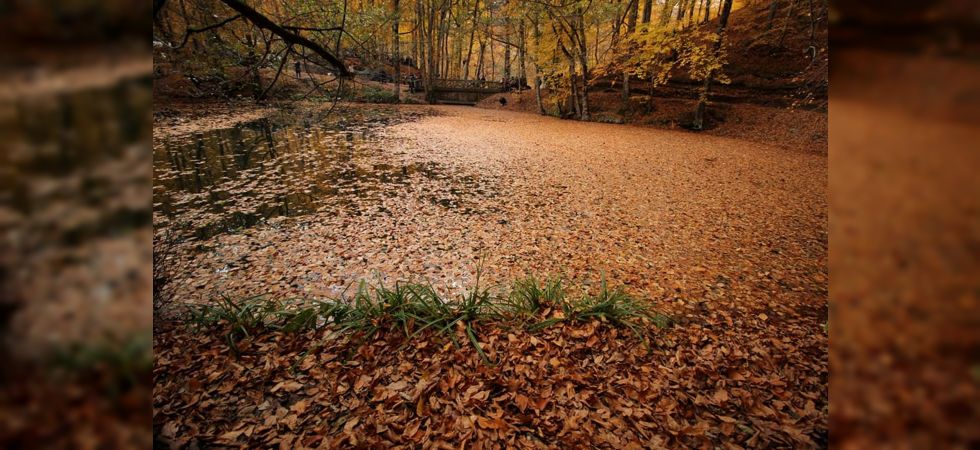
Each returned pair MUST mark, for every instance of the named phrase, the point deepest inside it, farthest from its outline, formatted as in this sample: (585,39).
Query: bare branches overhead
(262,21)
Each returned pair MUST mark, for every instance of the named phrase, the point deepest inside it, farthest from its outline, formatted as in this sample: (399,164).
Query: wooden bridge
(464,92)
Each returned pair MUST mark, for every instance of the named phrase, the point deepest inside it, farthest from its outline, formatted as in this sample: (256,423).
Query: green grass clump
(242,317)
(306,316)
(528,297)
(615,306)
(413,308)
(371,94)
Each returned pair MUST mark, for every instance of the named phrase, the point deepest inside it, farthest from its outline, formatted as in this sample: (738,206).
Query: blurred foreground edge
(75,224)
(905,234)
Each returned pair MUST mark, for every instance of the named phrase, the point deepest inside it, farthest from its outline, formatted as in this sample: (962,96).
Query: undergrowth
(412,308)
(371,94)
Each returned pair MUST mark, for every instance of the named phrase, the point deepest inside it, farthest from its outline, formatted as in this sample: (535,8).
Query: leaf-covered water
(290,164)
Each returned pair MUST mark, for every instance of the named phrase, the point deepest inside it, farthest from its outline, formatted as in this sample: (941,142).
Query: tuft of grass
(528,297)
(241,318)
(612,306)
(313,315)
(412,308)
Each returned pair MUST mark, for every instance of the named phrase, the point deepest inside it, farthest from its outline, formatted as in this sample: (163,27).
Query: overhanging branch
(290,37)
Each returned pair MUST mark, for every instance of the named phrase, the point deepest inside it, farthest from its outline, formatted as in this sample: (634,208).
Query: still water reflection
(289,164)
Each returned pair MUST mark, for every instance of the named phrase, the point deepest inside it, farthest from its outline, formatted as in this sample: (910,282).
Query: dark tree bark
(469,49)
(537,75)
(665,12)
(584,61)
(773,7)
(703,98)
(522,52)
(398,54)
(633,8)
(647,10)
(479,63)
(157,6)
(507,53)
(343,23)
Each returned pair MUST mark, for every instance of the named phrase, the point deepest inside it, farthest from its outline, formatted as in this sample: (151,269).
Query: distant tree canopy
(566,45)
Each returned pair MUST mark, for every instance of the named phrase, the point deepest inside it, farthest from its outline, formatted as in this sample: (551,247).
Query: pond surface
(291,164)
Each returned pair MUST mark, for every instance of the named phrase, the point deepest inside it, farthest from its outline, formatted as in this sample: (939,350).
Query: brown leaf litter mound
(568,386)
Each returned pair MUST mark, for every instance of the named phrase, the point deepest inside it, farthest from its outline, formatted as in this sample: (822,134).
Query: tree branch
(312,28)
(278,73)
(290,37)
(190,31)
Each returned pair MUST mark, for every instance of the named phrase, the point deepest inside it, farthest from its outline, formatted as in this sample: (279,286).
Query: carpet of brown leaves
(728,237)
(905,260)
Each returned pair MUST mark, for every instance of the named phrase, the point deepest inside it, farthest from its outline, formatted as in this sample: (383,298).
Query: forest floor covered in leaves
(727,237)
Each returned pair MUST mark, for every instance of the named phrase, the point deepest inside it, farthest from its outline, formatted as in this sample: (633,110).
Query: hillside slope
(778,62)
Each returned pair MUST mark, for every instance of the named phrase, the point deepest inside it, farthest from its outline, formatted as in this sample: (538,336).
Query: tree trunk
(573,98)
(343,23)
(489,32)
(703,98)
(574,87)
(469,49)
(584,60)
(773,7)
(665,12)
(493,60)
(479,65)
(416,38)
(507,61)
(252,62)
(647,10)
(398,54)
(430,52)
(707,11)
(443,43)
(537,75)
(634,7)
(522,51)
(620,19)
